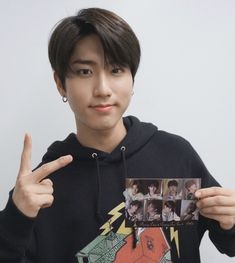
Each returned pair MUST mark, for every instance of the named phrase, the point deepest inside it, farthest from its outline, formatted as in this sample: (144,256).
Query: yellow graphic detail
(124,230)
(116,214)
(175,236)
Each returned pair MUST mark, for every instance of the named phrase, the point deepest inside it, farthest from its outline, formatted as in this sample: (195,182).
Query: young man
(191,188)
(153,187)
(172,191)
(168,212)
(190,212)
(71,208)
(132,211)
(133,193)
(153,212)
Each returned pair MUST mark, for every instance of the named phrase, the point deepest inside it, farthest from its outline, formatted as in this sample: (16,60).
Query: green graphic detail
(102,249)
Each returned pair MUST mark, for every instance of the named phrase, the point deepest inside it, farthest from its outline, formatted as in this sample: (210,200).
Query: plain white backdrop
(185,83)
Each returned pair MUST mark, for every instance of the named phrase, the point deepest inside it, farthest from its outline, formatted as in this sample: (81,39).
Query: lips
(102,107)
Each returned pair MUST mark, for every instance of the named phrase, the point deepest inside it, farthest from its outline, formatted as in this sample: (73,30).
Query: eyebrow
(84,61)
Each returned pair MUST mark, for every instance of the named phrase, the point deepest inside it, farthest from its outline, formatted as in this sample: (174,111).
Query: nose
(102,86)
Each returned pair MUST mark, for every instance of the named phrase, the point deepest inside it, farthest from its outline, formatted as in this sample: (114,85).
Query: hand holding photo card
(161,202)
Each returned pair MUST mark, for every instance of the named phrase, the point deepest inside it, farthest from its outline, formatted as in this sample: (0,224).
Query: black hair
(170,204)
(154,203)
(120,44)
(189,183)
(136,203)
(153,182)
(172,183)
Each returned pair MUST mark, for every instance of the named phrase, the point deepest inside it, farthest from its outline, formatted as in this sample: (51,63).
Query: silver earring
(64,99)
(132,93)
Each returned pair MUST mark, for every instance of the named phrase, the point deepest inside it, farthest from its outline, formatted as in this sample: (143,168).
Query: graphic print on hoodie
(143,244)
(98,182)
(86,221)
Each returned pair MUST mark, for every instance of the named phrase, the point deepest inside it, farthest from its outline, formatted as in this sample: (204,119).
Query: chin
(102,124)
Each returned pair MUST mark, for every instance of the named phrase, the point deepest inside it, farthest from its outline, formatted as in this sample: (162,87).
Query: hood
(138,134)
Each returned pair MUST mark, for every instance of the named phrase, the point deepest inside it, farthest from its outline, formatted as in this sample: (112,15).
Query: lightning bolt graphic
(174,236)
(116,214)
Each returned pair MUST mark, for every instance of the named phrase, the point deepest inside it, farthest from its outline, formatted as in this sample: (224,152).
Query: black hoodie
(86,222)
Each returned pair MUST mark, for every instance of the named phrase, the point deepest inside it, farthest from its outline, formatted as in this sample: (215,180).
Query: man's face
(150,208)
(97,93)
(133,209)
(135,189)
(172,189)
(167,209)
(192,189)
(152,189)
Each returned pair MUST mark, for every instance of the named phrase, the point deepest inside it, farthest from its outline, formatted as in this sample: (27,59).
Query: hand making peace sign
(32,191)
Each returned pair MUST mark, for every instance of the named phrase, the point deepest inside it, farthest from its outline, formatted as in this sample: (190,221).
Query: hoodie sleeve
(224,240)
(16,235)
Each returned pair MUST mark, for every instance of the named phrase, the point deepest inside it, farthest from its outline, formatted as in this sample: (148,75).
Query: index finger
(25,163)
(212,191)
(48,168)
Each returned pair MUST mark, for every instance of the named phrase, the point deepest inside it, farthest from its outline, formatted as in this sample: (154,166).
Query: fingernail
(68,158)
(198,194)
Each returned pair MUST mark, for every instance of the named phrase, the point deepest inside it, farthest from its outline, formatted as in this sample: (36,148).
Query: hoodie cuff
(222,239)
(14,225)
(220,230)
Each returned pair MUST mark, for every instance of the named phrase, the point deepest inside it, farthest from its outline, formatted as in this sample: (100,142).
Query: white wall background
(185,83)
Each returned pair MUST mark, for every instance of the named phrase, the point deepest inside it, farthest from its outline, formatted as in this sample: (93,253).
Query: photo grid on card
(160,202)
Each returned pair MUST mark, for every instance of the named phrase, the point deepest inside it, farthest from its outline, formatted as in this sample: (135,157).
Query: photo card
(157,202)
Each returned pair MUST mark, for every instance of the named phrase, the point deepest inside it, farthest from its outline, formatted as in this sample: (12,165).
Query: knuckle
(45,168)
(50,199)
(229,220)
(215,209)
(47,182)
(61,161)
(215,190)
(218,200)
(201,203)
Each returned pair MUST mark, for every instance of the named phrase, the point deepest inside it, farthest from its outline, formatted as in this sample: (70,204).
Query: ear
(59,85)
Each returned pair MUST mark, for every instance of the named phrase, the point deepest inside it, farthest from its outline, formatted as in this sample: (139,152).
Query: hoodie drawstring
(98,210)
(134,227)
(123,149)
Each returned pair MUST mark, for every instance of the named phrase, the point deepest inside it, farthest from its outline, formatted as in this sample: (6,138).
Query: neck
(103,140)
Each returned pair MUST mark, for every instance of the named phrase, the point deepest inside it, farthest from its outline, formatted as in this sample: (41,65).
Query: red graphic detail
(151,248)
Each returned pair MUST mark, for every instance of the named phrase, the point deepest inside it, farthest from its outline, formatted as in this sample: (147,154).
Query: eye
(117,70)
(84,72)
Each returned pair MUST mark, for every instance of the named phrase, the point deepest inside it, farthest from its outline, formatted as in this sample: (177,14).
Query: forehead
(88,48)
